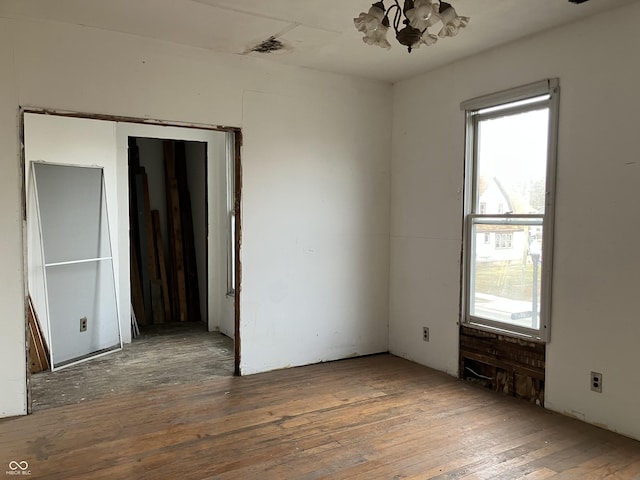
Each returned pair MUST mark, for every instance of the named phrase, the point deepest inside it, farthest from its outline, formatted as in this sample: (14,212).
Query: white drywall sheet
(78,268)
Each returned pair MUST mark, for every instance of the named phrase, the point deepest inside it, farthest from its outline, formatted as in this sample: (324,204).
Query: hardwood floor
(166,354)
(376,417)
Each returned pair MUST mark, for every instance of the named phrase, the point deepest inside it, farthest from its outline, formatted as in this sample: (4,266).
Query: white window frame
(231,213)
(521,99)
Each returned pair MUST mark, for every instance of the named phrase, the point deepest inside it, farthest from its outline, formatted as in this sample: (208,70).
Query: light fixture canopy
(417,16)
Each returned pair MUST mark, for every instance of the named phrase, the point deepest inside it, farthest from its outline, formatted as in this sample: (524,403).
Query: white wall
(13,368)
(596,277)
(316,172)
(315,228)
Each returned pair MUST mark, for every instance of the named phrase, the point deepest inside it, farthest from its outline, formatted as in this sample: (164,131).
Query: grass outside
(511,279)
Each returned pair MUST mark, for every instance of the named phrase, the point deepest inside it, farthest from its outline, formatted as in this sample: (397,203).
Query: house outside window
(510,189)
(504,240)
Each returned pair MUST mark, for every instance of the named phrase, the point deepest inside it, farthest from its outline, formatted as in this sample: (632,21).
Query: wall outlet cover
(425,334)
(596,382)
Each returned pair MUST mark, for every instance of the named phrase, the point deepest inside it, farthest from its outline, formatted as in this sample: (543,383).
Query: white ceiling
(317,34)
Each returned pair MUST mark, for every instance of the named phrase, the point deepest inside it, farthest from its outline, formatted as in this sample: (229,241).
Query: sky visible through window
(513,150)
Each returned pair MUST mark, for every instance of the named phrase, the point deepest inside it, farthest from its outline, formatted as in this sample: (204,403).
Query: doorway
(51,136)
(168,230)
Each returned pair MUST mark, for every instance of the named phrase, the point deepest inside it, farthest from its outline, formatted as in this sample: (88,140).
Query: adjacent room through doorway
(171,201)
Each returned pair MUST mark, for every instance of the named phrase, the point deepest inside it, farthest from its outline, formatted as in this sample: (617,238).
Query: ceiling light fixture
(419,16)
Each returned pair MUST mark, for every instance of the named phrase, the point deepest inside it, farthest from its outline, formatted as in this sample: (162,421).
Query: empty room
(300,240)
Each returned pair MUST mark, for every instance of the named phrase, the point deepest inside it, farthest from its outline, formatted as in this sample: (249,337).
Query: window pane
(231,243)
(505,273)
(232,260)
(512,161)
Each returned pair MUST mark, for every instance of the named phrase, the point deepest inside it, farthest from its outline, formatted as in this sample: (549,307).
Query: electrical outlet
(596,382)
(83,324)
(425,334)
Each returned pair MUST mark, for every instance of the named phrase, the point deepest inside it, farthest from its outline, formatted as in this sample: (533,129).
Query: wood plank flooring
(167,354)
(378,417)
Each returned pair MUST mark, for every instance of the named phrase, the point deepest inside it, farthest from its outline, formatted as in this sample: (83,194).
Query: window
(231,214)
(510,161)
(504,240)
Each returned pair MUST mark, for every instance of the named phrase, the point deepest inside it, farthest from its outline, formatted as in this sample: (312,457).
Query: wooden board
(191,264)
(148,225)
(38,351)
(172,278)
(157,301)
(137,298)
(189,247)
(155,216)
(145,278)
(173,211)
(181,287)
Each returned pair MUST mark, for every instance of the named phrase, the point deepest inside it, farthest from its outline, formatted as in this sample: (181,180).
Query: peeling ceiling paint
(271,44)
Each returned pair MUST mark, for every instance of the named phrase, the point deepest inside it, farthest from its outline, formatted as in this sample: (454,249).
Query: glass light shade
(420,15)
(372,24)
(452,23)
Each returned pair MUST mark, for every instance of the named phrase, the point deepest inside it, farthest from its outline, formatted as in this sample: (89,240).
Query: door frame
(237,234)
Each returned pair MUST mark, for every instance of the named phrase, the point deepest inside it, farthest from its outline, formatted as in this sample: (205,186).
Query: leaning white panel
(78,275)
